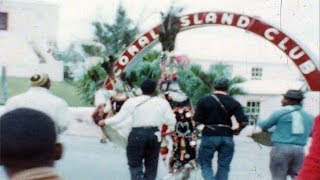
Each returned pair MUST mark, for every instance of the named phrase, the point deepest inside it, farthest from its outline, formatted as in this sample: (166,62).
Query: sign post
(4,85)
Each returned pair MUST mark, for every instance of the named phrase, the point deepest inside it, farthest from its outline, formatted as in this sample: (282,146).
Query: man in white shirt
(148,113)
(39,97)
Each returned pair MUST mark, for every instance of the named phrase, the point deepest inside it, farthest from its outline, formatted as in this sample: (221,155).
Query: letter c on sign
(268,32)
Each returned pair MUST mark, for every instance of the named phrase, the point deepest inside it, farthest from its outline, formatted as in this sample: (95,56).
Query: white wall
(270,103)
(36,21)
(32,30)
(243,68)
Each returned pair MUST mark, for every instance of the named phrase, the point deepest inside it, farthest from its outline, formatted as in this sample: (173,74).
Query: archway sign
(300,58)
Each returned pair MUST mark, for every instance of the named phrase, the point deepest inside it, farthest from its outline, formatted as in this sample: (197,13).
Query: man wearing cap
(292,129)
(215,112)
(39,97)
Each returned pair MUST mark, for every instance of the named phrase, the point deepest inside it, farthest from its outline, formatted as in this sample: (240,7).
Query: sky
(299,19)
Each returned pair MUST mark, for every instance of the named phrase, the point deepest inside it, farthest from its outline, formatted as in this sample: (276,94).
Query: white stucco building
(28,33)
(265,83)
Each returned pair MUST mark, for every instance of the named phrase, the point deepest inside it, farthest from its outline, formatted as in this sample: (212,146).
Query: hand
(101,123)
(236,131)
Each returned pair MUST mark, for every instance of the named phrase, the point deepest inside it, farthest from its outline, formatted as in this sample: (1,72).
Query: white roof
(269,86)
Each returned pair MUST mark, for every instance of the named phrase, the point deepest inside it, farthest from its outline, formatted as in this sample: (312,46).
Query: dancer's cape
(114,136)
(117,133)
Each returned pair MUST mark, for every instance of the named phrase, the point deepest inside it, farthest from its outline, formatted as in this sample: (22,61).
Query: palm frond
(169,29)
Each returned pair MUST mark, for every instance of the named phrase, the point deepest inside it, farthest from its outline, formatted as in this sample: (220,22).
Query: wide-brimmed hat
(39,79)
(294,94)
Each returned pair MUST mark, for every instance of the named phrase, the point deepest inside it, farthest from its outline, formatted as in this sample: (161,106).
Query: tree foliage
(148,68)
(110,39)
(70,57)
(197,83)
(87,87)
(117,36)
(193,80)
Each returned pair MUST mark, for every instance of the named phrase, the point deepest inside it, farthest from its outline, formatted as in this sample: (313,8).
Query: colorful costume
(184,136)
(183,140)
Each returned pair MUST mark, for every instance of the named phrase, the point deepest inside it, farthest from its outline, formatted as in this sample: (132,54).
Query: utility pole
(4,85)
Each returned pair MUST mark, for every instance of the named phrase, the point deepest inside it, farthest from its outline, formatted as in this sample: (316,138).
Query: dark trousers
(142,146)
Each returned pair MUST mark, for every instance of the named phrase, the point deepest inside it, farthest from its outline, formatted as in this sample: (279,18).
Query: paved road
(87,159)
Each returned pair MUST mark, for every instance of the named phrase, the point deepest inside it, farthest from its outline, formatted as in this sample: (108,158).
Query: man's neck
(12,170)
(220,92)
(148,94)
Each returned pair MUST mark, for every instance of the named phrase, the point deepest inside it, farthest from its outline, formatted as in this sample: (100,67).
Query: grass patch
(65,90)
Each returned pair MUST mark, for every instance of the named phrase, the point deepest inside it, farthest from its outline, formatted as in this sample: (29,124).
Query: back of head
(148,87)
(40,80)
(221,84)
(27,137)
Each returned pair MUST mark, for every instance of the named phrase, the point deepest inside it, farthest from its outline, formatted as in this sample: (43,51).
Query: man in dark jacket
(215,112)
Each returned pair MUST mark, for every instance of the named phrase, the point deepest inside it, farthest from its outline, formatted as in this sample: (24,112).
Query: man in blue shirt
(292,128)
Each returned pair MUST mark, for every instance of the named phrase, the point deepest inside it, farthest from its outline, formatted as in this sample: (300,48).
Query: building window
(256,73)
(252,111)
(3,21)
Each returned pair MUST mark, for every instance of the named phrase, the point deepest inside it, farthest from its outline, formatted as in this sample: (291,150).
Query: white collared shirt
(41,99)
(154,111)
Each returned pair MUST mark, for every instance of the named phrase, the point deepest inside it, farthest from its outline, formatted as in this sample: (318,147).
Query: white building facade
(265,83)
(28,33)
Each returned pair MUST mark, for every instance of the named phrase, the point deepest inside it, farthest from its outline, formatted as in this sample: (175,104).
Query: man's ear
(58,151)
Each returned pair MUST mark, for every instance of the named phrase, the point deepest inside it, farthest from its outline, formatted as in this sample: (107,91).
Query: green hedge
(65,90)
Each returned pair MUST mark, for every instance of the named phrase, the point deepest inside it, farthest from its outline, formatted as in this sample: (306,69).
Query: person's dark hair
(221,84)
(26,136)
(148,87)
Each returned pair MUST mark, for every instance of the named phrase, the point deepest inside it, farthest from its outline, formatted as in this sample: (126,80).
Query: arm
(168,116)
(200,114)
(241,118)
(271,121)
(125,111)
